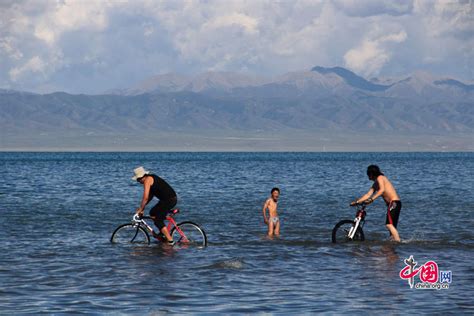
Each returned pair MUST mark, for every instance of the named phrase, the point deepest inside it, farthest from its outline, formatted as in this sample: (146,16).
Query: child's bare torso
(272,207)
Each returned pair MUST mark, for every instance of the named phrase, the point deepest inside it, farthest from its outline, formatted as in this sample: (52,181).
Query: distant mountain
(323,100)
(455,83)
(320,81)
(209,81)
(352,79)
(161,83)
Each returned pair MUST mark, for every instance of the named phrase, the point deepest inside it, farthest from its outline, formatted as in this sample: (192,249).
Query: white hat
(139,172)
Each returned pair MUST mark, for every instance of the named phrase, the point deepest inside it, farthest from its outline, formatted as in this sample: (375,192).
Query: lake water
(58,211)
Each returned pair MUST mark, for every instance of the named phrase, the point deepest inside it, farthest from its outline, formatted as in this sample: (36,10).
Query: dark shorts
(161,209)
(393,212)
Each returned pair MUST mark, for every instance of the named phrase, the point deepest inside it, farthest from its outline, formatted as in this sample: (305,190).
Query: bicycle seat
(173,212)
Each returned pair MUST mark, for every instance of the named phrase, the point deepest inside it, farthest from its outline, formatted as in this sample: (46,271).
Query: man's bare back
(383,185)
(384,188)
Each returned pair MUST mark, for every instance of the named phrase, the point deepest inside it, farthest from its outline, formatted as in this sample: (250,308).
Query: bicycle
(138,232)
(351,230)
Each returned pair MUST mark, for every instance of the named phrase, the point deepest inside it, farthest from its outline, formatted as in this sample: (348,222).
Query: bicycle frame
(358,221)
(171,223)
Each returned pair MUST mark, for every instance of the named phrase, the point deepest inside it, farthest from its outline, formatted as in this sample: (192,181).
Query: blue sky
(91,46)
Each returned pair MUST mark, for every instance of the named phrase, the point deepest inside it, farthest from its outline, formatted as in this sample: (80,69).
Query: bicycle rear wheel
(130,234)
(340,232)
(189,234)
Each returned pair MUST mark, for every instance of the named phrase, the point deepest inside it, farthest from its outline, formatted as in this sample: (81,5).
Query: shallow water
(59,210)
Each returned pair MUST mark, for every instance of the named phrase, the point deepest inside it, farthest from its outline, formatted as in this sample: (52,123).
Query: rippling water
(59,209)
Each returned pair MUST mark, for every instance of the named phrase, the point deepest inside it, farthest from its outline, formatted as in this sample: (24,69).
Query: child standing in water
(272,220)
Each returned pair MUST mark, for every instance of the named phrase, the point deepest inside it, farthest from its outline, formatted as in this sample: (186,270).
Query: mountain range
(306,105)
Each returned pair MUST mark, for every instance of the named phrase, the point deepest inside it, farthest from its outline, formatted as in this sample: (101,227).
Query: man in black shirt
(156,186)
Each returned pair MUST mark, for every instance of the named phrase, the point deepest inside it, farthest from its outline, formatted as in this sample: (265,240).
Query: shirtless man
(272,221)
(383,187)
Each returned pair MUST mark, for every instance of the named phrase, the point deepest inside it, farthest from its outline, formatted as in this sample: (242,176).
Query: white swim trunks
(274,219)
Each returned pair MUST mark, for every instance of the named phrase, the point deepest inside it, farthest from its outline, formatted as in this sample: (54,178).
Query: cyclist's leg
(393,232)
(391,221)
(159,212)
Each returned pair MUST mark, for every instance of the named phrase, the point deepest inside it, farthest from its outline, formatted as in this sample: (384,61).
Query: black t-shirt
(161,189)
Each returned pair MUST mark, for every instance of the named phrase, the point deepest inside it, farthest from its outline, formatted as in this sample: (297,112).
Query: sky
(92,46)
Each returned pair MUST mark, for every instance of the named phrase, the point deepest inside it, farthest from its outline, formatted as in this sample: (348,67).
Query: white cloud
(34,65)
(7,47)
(367,58)
(446,36)
(92,45)
(37,65)
(45,33)
(372,54)
(365,8)
(148,30)
(247,23)
(239,35)
(72,15)
(446,18)
(396,37)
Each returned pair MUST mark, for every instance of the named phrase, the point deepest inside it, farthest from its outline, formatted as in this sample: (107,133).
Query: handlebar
(170,213)
(364,203)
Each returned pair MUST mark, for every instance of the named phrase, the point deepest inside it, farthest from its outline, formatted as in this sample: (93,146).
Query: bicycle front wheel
(130,234)
(189,234)
(340,232)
